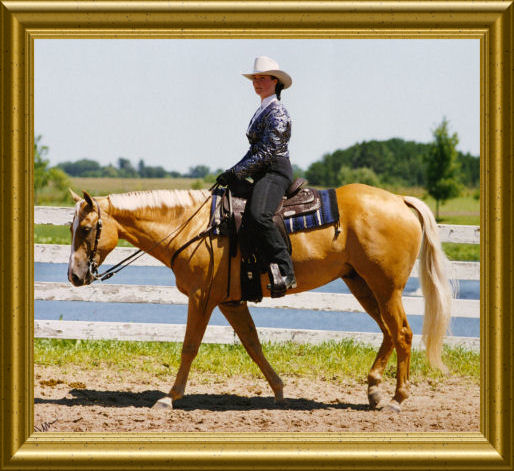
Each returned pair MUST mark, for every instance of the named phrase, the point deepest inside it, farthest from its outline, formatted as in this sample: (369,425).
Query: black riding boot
(264,201)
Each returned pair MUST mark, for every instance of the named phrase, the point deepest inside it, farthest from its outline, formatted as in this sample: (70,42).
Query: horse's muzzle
(77,280)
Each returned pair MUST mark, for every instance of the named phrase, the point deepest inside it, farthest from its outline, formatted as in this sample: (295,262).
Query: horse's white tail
(434,283)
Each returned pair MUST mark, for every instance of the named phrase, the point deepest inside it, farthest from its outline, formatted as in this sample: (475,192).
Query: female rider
(267,164)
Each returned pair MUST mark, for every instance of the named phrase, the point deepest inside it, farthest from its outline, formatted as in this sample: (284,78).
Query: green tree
(316,174)
(125,168)
(396,162)
(41,174)
(110,171)
(45,176)
(145,171)
(81,168)
(198,171)
(469,170)
(442,166)
(364,175)
(141,168)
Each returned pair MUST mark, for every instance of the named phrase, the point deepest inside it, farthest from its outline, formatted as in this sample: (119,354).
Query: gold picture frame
(22,21)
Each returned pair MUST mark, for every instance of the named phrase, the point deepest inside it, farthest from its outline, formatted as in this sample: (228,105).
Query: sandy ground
(103,401)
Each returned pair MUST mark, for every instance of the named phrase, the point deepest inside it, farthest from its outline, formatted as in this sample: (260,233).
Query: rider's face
(264,85)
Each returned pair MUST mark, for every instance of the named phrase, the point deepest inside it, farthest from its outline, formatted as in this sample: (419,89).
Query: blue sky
(180,102)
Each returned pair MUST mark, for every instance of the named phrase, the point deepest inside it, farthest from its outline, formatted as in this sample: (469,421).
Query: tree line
(394,162)
(125,169)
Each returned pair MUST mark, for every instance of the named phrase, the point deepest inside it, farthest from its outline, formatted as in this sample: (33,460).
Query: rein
(93,267)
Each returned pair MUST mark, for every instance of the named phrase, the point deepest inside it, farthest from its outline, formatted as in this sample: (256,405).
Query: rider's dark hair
(278,87)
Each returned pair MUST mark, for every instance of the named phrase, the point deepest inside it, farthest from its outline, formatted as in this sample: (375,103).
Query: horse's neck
(158,231)
(146,232)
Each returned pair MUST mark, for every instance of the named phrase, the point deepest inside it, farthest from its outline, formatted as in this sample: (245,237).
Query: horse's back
(375,209)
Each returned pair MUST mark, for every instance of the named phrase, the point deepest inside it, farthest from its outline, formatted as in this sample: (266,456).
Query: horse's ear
(74,195)
(88,198)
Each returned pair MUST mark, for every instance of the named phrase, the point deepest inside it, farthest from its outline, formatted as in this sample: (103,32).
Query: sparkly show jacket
(268,136)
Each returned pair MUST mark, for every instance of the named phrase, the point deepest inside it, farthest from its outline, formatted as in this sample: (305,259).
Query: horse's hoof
(164,403)
(393,406)
(279,399)
(374,397)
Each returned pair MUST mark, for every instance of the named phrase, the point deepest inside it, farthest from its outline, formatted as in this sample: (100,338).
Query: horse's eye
(85,229)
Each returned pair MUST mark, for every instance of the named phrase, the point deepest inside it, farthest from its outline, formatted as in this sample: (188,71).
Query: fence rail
(84,330)
(314,301)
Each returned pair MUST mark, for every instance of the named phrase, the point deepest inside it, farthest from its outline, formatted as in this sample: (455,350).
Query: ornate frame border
(22,21)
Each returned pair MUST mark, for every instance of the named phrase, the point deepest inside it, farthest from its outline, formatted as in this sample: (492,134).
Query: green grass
(462,210)
(336,361)
(462,252)
(48,234)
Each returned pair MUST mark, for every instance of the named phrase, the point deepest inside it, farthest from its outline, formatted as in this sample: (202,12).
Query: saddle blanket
(326,213)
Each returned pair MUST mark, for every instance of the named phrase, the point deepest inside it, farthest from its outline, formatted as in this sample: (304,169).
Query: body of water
(263,317)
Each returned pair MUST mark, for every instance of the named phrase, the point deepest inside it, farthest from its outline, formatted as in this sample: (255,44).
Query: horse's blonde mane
(141,202)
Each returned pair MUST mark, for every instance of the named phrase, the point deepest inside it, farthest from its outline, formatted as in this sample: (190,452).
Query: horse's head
(93,235)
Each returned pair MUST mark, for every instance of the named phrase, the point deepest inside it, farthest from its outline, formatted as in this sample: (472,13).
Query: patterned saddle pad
(307,209)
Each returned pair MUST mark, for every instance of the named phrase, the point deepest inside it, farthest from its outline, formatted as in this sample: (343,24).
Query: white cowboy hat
(265,66)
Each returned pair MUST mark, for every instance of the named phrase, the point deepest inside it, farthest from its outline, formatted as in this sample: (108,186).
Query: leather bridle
(92,266)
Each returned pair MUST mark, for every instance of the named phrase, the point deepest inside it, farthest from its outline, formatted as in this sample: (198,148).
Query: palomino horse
(373,252)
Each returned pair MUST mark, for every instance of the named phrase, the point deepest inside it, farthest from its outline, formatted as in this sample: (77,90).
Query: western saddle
(297,201)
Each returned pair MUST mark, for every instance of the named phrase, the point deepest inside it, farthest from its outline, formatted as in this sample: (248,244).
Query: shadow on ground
(210,402)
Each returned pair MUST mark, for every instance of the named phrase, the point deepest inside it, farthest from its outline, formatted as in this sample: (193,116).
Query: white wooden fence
(312,301)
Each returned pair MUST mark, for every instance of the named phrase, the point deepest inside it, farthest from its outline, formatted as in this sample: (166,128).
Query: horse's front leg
(242,323)
(197,319)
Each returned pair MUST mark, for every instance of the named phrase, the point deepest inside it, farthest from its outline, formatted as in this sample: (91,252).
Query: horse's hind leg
(365,296)
(242,323)
(401,333)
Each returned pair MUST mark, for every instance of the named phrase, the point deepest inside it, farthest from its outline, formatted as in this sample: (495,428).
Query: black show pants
(264,201)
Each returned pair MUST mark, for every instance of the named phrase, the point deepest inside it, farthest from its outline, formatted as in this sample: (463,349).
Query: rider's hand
(225,178)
